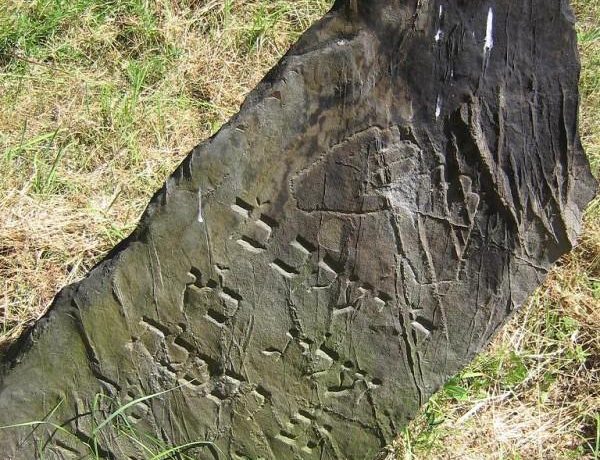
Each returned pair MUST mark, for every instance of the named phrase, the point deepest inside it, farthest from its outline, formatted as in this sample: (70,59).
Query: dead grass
(101,100)
(101,103)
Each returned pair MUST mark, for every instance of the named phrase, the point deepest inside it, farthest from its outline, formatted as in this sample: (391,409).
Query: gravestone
(385,199)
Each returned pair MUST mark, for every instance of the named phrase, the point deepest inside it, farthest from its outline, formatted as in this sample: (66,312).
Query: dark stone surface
(385,199)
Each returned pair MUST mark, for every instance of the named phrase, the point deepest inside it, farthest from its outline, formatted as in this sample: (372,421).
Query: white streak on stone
(200,218)
(438,107)
(440,34)
(489,33)
(167,190)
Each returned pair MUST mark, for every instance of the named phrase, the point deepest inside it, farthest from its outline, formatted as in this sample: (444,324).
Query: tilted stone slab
(384,200)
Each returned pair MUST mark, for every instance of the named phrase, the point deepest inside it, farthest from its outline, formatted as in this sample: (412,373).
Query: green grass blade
(181,448)
(130,404)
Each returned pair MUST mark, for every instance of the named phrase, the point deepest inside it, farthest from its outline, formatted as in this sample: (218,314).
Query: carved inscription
(321,264)
(259,226)
(303,265)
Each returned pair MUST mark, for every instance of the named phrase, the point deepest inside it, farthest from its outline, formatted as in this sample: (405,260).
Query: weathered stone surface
(390,193)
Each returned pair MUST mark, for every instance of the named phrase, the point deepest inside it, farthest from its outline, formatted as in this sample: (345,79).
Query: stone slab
(385,199)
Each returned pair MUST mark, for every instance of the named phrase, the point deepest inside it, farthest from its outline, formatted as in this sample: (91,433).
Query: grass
(106,414)
(102,99)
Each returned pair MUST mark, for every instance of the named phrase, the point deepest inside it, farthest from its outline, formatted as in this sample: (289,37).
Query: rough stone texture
(390,193)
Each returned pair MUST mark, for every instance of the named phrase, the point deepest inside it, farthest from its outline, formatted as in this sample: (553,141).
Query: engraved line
(284,269)
(155,327)
(251,245)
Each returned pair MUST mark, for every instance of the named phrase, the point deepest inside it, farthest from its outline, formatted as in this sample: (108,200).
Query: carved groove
(156,327)
(269,222)
(251,245)
(242,208)
(286,438)
(216,317)
(185,345)
(284,269)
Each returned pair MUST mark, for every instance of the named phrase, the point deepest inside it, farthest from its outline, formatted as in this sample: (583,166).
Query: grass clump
(108,419)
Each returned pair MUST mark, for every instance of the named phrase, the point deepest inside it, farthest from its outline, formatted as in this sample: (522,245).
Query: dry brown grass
(101,102)
(100,111)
